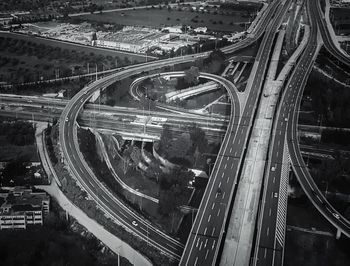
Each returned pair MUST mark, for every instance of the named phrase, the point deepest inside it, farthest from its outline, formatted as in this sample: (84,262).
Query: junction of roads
(242,216)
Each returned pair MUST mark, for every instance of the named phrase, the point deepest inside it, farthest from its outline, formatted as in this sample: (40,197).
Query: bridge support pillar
(95,96)
(338,235)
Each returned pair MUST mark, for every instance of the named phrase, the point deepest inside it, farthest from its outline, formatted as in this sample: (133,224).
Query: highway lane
(271,229)
(81,170)
(113,118)
(204,241)
(299,167)
(326,36)
(45,102)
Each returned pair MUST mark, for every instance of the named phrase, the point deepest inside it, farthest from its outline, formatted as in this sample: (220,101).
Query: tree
(192,75)
(173,187)
(198,138)
(180,146)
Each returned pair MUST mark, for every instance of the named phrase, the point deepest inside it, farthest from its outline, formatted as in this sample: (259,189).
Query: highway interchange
(81,171)
(204,243)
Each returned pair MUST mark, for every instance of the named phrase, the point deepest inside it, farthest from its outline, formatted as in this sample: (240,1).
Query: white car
(336,215)
(67,119)
(273,168)
(134,223)
(275,194)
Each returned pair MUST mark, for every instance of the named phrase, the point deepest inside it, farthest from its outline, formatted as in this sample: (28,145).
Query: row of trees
(53,61)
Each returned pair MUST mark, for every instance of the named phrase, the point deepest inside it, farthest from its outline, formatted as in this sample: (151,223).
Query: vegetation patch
(79,198)
(25,58)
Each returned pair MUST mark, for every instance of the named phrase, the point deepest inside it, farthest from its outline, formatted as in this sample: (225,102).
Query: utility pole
(96,70)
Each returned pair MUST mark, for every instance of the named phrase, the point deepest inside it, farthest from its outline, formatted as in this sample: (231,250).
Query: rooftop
(20,199)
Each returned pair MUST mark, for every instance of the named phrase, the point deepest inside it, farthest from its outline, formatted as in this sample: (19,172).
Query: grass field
(75,47)
(222,21)
(26,58)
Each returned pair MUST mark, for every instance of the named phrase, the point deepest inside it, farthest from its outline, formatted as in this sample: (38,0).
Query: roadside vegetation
(58,242)
(310,239)
(328,100)
(79,198)
(326,103)
(17,152)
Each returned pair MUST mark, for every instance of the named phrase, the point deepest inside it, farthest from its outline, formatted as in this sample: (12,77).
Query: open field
(26,58)
(75,47)
(222,21)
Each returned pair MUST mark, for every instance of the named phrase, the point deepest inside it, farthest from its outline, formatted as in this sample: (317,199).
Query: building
(173,29)
(5,19)
(135,40)
(22,207)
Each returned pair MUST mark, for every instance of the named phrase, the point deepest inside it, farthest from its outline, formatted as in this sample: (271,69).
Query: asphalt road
(203,244)
(78,167)
(270,239)
(299,167)
(82,172)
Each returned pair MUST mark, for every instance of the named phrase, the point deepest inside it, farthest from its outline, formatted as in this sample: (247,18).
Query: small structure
(173,29)
(61,93)
(22,207)
(201,30)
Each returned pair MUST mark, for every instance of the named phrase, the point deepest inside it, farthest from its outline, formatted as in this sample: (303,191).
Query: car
(134,223)
(273,168)
(219,191)
(336,215)
(67,120)
(275,195)
(286,119)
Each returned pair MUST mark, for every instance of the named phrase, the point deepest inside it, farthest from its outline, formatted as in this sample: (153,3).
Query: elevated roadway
(84,175)
(80,170)
(299,167)
(204,242)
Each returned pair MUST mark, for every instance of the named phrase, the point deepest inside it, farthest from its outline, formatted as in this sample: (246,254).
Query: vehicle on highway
(67,120)
(134,223)
(336,215)
(273,168)
(219,191)
(286,119)
(275,194)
